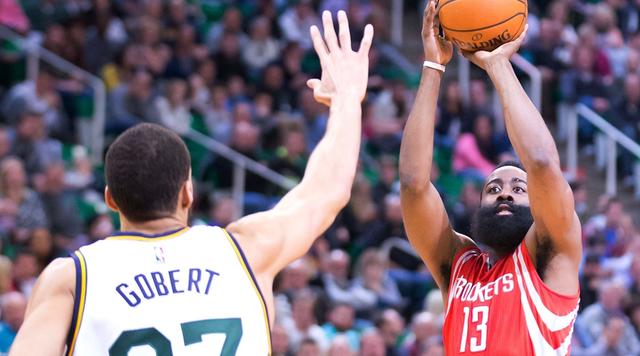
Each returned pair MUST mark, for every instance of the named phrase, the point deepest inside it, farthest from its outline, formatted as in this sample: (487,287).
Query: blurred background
(229,77)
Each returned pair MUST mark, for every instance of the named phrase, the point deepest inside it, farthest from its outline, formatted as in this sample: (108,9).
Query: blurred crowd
(236,71)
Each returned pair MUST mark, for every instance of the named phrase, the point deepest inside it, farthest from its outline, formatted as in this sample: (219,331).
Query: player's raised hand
(436,48)
(345,72)
(484,59)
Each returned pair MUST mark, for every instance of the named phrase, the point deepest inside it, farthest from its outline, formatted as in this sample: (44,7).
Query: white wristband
(437,66)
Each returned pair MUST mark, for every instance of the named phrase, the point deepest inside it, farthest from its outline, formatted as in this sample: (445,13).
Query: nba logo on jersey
(159,254)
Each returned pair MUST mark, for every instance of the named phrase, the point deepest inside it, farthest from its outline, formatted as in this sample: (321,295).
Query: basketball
(475,25)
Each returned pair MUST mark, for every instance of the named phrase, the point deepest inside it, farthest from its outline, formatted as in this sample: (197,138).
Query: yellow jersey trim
(149,238)
(263,303)
(81,298)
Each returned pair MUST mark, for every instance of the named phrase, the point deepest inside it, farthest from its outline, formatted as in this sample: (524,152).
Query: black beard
(502,233)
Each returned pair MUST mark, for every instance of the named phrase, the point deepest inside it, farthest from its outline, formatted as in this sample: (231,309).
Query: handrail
(610,130)
(397,19)
(614,137)
(535,91)
(35,52)
(398,59)
(241,164)
(223,150)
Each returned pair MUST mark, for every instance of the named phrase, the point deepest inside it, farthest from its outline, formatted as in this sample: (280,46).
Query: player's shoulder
(465,246)
(59,275)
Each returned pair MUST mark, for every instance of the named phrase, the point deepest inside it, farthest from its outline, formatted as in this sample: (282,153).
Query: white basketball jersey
(187,292)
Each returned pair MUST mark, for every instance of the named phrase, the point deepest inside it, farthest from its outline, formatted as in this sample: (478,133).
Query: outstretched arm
(275,238)
(550,196)
(423,211)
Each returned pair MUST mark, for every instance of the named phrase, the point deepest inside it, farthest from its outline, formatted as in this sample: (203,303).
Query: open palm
(344,71)
(484,58)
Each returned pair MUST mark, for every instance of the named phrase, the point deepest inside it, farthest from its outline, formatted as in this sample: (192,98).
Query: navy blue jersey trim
(140,234)
(253,277)
(76,301)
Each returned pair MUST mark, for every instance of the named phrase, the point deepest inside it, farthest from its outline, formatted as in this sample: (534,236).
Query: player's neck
(494,255)
(153,227)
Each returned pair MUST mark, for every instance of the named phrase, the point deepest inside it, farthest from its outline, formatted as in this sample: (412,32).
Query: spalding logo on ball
(475,25)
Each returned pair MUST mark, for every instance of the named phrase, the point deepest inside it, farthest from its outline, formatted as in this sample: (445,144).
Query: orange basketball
(476,25)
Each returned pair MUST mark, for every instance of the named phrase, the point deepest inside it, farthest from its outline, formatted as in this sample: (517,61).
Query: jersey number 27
(191,332)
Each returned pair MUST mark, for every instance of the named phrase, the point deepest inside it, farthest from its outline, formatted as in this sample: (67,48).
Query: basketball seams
(523,14)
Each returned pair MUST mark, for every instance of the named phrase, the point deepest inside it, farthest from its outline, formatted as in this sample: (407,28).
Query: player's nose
(505,197)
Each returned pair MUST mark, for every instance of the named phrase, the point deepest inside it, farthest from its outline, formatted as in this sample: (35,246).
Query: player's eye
(493,190)
(519,190)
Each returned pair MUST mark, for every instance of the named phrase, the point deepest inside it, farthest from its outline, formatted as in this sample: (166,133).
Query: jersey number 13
(479,318)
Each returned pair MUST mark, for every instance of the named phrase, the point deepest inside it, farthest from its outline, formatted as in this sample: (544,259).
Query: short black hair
(511,163)
(145,169)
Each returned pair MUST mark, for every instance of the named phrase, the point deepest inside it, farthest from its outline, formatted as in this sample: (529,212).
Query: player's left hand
(484,59)
(344,71)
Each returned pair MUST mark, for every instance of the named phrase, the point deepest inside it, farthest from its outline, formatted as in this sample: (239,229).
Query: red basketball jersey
(505,309)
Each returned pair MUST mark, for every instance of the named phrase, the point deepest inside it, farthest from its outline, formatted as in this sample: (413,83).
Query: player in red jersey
(511,288)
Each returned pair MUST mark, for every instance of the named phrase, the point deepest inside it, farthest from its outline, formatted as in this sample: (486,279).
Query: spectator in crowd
(607,226)
(303,324)
(261,48)
(32,145)
(147,45)
(13,306)
(186,53)
(308,347)
(624,115)
(478,98)
(59,203)
(375,234)
(222,211)
(218,115)
(20,208)
(132,103)
(6,275)
(104,37)
(291,156)
(340,346)
(229,58)
(38,95)
(424,327)
(99,227)
(25,271)
(477,152)
(231,23)
(335,278)
(279,341)
(452,114)
(172,108)
(581,84)
(388,177)
(340,323)
(465,208)
(372,343)
(43,247)
(81,175)
(391,326)
(296,21)
(606,316)
(372,287)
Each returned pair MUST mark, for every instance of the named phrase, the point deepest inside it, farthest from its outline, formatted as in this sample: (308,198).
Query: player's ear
(187,193)
(111,204)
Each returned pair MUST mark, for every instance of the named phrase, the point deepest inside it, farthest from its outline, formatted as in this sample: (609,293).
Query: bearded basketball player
(511,288)
(160,287)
